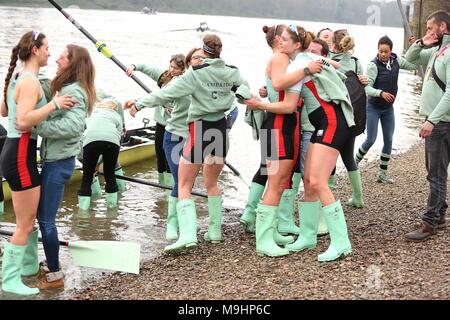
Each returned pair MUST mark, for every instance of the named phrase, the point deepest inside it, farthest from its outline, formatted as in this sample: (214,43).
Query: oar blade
(111,255)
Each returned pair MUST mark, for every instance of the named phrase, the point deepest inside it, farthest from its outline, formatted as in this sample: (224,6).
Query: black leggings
(3,134)
(161,161)
(91,153)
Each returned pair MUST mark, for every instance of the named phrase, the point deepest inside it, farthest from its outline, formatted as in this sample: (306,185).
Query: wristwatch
(307,71)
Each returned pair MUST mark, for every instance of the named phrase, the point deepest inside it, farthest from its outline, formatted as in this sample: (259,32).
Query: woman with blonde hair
(101,138)
(25,105)
(343,46)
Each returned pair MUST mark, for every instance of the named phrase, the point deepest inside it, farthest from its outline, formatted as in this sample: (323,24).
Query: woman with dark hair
(211,86)
(25,106)
(382,73)
(161,113)
(61,135)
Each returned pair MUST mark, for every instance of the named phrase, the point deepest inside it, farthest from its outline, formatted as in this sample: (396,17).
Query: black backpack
(358,99)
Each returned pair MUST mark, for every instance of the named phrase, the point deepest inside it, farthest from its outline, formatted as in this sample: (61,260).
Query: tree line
(337,11)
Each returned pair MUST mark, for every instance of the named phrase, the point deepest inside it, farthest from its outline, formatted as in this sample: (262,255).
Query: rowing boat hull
(127,156)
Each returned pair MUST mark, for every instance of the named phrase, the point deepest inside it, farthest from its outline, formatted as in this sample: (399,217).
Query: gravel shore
(382,265)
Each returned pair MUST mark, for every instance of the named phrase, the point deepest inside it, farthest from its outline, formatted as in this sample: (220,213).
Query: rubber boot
(12,269)
(172,220)
(340,243)
(214,233)
(249,217)
(309,221)
(95,188)
(280,239)
(84,202)
(111,200)
(296,178)
(286,210)
(265,225)
(357,197)
(187,223)
(161,177)
(168,179)
(2,207)
(322,229)
(120,182)
(331,181)
(31,258)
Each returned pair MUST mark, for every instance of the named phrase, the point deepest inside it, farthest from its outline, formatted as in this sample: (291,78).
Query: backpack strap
(356,64)
(439,82)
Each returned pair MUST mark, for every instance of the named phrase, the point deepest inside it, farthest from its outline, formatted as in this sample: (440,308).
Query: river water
(138,38)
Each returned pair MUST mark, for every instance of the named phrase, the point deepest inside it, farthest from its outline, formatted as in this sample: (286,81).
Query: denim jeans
(54,176)
(173,147)
(437,156)
(304,144)
(386,116)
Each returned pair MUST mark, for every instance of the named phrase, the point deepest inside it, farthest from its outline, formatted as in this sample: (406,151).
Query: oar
(408,30)
(237,173)
(111,255)
(153,184)
(101,47)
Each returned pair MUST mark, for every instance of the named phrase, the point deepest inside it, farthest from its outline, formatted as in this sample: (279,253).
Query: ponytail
(12,66)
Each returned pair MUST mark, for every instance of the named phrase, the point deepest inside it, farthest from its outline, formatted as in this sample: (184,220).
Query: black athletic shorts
(280,136)
(18,162)
(331,128)
(206,138)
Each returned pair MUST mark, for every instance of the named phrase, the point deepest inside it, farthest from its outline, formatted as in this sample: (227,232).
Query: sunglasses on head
(36,35)
(293,28)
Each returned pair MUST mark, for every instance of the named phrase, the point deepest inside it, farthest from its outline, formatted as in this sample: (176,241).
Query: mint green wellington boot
(309,221)
(84,202)
(214,233)
(265,225)
(248,218)
(161,177)
(296,178)
(286,210)
(96,190)
(120,182)
(340,243)
(280,239)
(187,223)
(172,220)
(31,259)
(111,199)
(168,179)
(322,229)
(331,181)
(2,207)
(12,269)
(357,196)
